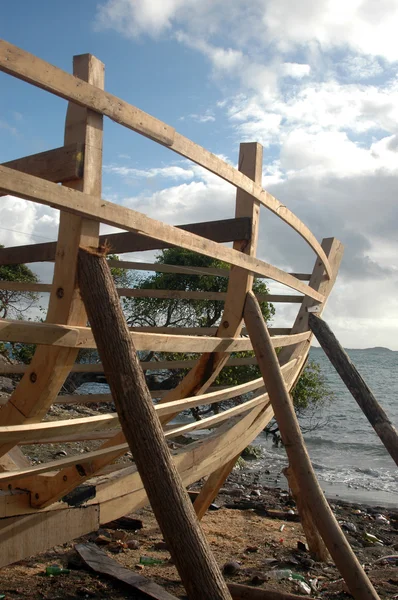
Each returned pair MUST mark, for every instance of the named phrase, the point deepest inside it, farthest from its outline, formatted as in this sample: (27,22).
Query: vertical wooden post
(356,385)
(310,490)
(240,282)
(173,509)
(50,366)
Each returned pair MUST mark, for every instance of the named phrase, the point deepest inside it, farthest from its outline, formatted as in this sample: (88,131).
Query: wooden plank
(85,205)
(27,67)
(334,251)
(356,385)
(246,592)
(28,535)
(50,366)
(299,460)
(152,293)
(58,165)
(226,230)
(98,561)
(31,332)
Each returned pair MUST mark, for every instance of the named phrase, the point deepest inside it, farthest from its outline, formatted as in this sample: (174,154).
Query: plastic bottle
(148,560)
(56,570)
(280,574)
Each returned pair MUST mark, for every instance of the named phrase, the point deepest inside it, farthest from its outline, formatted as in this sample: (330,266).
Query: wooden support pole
(340,550)
(171,505)
(356,385)
(316,545)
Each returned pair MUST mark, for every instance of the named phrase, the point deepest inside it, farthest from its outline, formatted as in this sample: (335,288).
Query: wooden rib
(152,293)
(69,336)
(27,67)
(47,430)
(50,366)
(148,366)
(165,268)
(84,205)
(202,330)
(117,495)
(58,165)
(74,437)
(226,230)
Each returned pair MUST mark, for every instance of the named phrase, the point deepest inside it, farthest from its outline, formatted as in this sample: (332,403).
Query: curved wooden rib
(29,68)
(84,205)
(151,293)
(81,337)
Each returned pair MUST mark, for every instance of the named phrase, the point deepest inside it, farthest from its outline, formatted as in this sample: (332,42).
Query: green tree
(14,304)
(310,391)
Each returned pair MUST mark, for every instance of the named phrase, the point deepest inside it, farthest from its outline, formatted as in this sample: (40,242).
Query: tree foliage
(13,304)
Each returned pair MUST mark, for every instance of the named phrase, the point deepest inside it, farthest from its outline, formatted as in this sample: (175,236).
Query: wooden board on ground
(99,561)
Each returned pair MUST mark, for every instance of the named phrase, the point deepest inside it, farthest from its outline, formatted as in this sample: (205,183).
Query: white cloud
(296,70)
(170,172)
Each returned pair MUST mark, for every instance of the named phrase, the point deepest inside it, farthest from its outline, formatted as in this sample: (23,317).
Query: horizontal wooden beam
(29,68)
(64,198)
(58,165)
(226,230)
(147,366)
(71,336)
(18,286)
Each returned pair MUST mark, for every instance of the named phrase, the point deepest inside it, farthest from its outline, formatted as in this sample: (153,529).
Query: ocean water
(348,457)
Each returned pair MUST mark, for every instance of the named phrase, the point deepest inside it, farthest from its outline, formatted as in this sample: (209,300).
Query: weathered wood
(212,486)
(87,206)
(98,561)
(181,530)
(356,385)
(226,230)
(310,490)
(59,165)
(316,545)
(29,68)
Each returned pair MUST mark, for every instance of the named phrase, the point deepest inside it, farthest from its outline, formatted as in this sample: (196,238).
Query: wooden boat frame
(34,511)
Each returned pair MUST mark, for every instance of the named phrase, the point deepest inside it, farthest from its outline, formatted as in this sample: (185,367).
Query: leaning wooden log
(340,550)
(356,385)
(316,545)
(171,505)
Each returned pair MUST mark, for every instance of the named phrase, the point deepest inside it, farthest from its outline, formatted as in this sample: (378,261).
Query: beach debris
(391,558)
(382,519)
(96,559)
(281,528)
(56,570)
(231,567)
(149,560)
(303,587)
(348,526)
(372,539)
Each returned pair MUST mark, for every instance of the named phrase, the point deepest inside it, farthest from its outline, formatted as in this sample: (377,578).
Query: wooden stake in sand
(171,505)
(340,550)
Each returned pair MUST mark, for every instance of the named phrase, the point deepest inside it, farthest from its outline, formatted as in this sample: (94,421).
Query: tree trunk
(170,503)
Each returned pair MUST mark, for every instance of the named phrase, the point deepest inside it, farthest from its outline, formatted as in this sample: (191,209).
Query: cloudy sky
(314,82)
